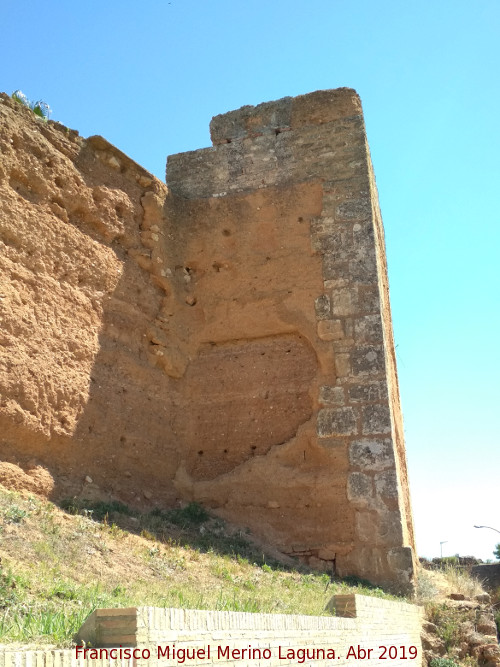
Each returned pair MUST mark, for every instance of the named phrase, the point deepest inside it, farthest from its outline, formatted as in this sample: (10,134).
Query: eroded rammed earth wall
(227,341)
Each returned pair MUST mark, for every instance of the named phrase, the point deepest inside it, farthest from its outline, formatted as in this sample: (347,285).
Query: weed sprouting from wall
(39,108)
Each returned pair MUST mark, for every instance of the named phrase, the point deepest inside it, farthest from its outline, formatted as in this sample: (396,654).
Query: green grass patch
(95,509)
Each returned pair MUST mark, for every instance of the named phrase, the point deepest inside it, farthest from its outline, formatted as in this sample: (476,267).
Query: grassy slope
(56,567)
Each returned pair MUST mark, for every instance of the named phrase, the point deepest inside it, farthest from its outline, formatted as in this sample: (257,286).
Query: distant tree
(496,553)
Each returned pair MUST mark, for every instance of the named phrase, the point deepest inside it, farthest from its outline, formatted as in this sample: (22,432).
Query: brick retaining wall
(219,638)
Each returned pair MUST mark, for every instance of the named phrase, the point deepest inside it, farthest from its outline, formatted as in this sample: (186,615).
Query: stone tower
(294,184)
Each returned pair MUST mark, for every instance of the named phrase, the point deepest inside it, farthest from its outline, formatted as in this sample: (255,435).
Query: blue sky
(149,76)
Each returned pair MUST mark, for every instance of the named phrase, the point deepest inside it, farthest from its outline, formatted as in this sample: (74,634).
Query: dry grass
(432,584)
(461,581)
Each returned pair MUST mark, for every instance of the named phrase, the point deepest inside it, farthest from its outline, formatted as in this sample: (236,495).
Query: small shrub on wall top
(39,108)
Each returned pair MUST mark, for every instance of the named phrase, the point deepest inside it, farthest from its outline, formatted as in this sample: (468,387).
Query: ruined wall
(81,292)
(227,341)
